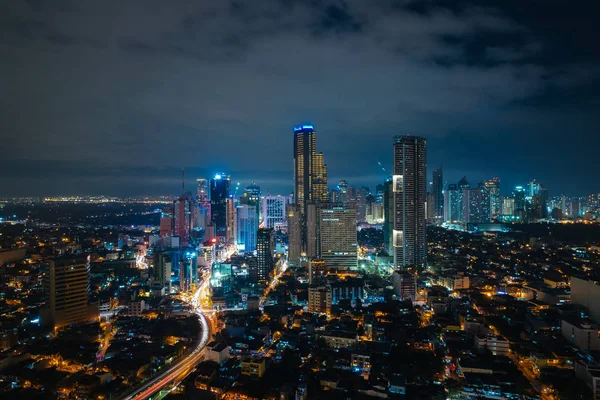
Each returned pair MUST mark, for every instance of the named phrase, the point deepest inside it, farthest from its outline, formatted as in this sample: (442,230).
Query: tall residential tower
(409,185)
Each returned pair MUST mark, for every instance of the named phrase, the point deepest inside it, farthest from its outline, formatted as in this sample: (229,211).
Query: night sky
(116,97)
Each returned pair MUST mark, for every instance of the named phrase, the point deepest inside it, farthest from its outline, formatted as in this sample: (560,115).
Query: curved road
(185,366)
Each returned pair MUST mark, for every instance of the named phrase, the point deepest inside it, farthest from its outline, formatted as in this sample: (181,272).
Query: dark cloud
(119,96)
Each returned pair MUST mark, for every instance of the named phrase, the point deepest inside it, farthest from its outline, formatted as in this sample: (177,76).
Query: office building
(264,253)
(320,299)
(246,227)
(274,213)
(310,174)
(183,218)
(67,286)
(294,234)
(493,187)
(437,187)
(163,267)
(410,191)
(219,193)
(337,235)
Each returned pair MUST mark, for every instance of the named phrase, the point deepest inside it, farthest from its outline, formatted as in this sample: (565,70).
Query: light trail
(185,366)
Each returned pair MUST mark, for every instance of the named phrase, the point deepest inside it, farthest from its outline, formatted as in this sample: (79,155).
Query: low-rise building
(497,345)
(582,333)
(254,366)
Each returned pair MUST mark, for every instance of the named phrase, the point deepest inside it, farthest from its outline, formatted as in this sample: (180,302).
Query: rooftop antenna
(182,179)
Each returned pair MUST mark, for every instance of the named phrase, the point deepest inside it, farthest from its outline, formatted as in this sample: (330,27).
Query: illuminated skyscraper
(310,174)
(264,250)
(337,238)
(410,191)
(452,203)
(246,227)
(182,218)
(437,188)
(476,205)
(493,187)
(388,216)
(252,197)
(203,195)
(219,193)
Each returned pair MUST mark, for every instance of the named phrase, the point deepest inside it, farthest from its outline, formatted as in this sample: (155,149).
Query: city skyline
(493,89)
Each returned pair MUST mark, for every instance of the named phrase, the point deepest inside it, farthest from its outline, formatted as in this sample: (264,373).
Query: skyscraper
(410,191)
(252,197)
(264,247)
(337,238)
(273,208)
(437,188)
(67,285)
(476,205)
(388,216)
(246,227)
(310,175)
(219,193)
(294,234)
(493,187)
(452,203)
(462,185)
(183,218)
(203,195)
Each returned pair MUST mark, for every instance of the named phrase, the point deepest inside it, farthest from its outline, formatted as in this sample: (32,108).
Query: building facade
(409,184)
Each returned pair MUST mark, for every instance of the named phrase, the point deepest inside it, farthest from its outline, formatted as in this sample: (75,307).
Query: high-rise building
(320,299)
(252,197)
(410,191)
(476,205)
(274,215)
(264,254)
(219,193)
(188,269)
(163,267)
(316,270)
(437,187)
(294,234)
(405,285)
(246,227)
(493,187)
(203,196)
(183,218)
(310,174)
(388,216)
(361,203)
(67,285)
(520,203)
(337,237)
(508,207)
(462,185)
(230,218)
(452,204)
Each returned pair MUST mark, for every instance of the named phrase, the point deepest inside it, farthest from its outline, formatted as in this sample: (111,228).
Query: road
(180,370)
